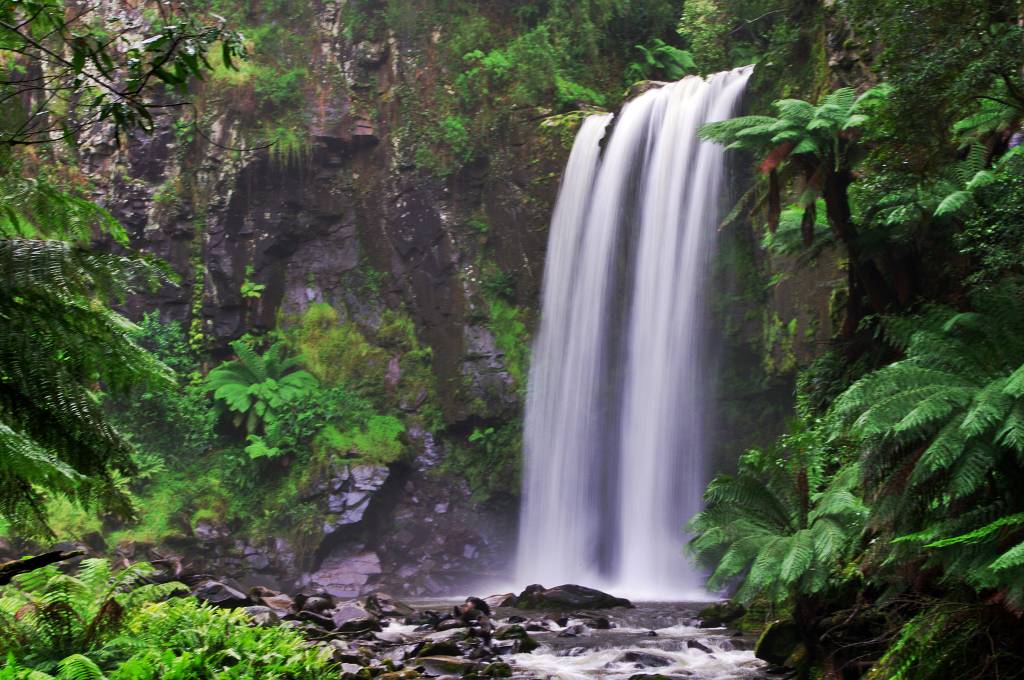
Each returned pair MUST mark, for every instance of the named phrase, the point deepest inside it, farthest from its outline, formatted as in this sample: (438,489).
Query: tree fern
(50,617)
(942,430)
(256,387)
(57,342)
(781,526)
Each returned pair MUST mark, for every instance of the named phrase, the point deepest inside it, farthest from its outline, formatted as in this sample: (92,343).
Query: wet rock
(693,644)
(505,600)
(574,631)
(346,575)
(221,594)
(316,619)
(206,530)
(498,669)
(524,643)
(720,614)
(596,622)
(568,596)
(441,665)
(262,616)
(645,659)
(439,648)
(313,603)
(353,618)
(407,674)
(449,624)
(383,605)
(279,602)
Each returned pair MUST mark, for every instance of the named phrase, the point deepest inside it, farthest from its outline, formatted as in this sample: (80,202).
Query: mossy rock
(720,614)
(779,643)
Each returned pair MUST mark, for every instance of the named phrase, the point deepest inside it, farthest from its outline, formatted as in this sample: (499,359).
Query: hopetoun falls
(530,339)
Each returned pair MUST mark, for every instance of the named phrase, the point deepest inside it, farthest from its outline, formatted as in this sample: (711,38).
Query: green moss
(377,442)
(511,338)
(338,353)
(489,460)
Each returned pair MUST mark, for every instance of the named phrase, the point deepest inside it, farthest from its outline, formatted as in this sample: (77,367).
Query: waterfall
(614,437)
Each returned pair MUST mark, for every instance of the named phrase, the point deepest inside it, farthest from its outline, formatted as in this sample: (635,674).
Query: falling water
(614,433)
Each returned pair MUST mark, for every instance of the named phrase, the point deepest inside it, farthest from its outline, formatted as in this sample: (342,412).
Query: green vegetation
(103,623)
(887,527)
(258,387)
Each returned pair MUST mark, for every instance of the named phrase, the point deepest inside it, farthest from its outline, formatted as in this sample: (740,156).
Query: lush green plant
(49,616)
(943,437)
(505,321)
(181,639)
(102,624)
(377,441)
(659,59)
(489,461)
(98,71)
(251,289)
(177,425)
(785,525)
(338,353)
(815,147)
(258,387)
(57,342)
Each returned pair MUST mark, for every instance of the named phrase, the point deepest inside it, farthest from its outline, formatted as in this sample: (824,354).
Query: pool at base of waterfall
(653,641)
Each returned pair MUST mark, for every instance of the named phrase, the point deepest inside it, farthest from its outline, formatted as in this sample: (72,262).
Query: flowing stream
(614,433)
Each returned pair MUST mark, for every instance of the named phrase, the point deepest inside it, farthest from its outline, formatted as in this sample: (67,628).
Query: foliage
(58,341)
(176,425)
(489,461)
(660,59)
(251,289)
(258,387)
(511,338)
(99,68)
(338,353)
(943,437)
(49,616)
(377,441)
(942,58)
(785,524)
(183,639)
(105,624)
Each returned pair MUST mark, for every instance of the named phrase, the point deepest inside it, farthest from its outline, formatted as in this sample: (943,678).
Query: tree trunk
(865,280)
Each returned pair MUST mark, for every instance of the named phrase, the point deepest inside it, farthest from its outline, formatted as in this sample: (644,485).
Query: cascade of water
(614,439)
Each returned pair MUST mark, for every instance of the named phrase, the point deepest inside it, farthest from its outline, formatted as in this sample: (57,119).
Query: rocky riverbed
(565,633)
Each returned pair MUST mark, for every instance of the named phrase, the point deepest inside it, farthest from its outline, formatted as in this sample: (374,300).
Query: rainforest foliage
(886,526)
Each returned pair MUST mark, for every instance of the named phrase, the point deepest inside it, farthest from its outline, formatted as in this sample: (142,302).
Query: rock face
(567,597)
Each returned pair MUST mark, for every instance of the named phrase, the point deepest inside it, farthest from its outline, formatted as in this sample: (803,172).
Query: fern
(257,387)
(50,618)
(780,527)
(942,429)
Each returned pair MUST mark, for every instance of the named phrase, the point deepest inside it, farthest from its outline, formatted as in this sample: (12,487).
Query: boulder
(279,602)
(693,644)
(778,642)
(645,659)
(221,594)
(524,643)
(446,665)
(505,600)
(351,617)
(262,616)
(383,605)
(720,614)
(568,597)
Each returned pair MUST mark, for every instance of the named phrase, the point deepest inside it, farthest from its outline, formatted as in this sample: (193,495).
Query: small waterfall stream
(614,430)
